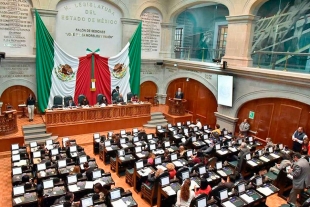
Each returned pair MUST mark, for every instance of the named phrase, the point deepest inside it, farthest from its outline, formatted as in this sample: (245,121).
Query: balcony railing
(286,61)
(198,54)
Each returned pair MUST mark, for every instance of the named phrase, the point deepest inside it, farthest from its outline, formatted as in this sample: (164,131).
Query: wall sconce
(175,65)
(187,79)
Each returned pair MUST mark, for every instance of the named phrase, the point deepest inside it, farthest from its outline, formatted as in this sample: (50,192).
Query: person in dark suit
(69,103)
(115,90)
(301,176)
(179,94)
(88,171)
(120,99)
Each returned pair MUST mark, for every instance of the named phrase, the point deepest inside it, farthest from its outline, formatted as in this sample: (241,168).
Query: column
(167,40)
(129,27)
(226,122)
(239,40)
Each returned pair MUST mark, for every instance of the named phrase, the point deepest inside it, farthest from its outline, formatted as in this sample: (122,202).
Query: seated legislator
(217,129)
(135,98)
(179,94)
(70,103)
(120,99)
(104,101)
(84,102)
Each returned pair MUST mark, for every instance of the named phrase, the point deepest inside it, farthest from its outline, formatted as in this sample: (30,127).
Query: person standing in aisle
(30,106)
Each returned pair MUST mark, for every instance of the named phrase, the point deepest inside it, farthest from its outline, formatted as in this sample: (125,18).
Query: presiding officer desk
(71,121)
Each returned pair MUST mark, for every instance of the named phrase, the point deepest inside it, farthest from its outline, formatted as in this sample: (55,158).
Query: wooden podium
(177,106)
(8,122)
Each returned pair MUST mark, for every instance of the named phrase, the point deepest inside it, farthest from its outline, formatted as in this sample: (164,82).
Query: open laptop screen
(164,181)
(280,146)
(48,184)
(157,160)
(149,136)
(72,179)
(107,143)
(49,142)
(219,165)
(33,144)
(86,202)
(18,190)
(223,194)
(123,132)
(73,149)
(173,157)
(189,153)
(138,149)
(201,202)
(248,156)
(62,163)
(152,146)
(115,194)
(41,166)
(241,188)
(123,140)
(202,170)
(96,174)
(121,153)
(136,139)
(135,130)
(258,181)
(17,171)
(185,175)
(167,144)
(14,146)
(179,124)
(139,164)
(55,151)
(83,159)
(36,154)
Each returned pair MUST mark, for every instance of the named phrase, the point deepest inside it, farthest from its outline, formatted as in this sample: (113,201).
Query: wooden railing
(8,123)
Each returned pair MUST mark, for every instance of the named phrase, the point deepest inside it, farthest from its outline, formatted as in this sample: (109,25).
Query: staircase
(157,118)
(36,133)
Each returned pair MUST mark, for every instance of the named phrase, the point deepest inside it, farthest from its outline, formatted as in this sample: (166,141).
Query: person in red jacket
(204,188)
(172,172)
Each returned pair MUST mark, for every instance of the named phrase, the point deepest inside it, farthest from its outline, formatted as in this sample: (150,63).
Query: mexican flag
(59,73)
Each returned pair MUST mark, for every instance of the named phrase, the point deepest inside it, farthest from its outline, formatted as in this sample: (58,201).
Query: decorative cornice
(225,118)
(241,19)
(45,12)
(130,21)
(21,59)
(168,25)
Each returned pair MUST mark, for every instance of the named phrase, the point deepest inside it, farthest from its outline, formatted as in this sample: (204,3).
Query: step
(157,121)
(40,136)
(34,131)
(33,126)
(41,140)
(154,125)
(158,117)
(156,113)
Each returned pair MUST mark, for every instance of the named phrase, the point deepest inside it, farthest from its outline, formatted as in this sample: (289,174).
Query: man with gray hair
(244,128)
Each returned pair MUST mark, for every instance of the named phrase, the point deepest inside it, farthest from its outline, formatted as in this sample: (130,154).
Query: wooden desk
(128,160)
(89,120)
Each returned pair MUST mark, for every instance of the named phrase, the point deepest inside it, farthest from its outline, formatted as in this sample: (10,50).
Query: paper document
(138,144)
(119,203)
(99,181)
(169,190)
(221,152)
(264,159)
(109,148)
(160,131)
(222,173)
(247,198)
(274,155)
(228,204)
(124,145)
(232,149)
(265,190)
(140,155)
(18,200)
(161,167)
(228,137)
(250,162)
(177,163)
(73,188)
(89,185)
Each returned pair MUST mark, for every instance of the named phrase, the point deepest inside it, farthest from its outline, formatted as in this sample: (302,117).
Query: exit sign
(251,114)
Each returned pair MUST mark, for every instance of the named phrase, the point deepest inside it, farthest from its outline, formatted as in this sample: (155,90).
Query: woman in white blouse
(185,195)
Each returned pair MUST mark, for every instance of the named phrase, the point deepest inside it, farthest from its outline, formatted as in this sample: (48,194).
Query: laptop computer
(189,152)
(205,136)
(223,195)
(152,146)
(188,123)
(62,163)
(71,179)
(260,152)
(138,149)
(64,140)
(270,149)
(14,147)
(17,170)
(239,141)
(122,140)
(195,129)
(149,136)
(97,137)
(87,201)
(179,124)
(36,154)
(83,159)
(96,174)
(47,184)
(18,190)
(241,188)
(250,139)
(173,157)
(185,130)
(185,175)
(73,151)
(248,156)
(157,160)
(217,146)
(110,134)
(33,144)
(202,170)
(49,142)
(202,202)
(164,181)
(16,157)
(55,152)
(41,166)
(135,130)
(258,181)
(139,165)
(219,165)
(167,144)
(58,205)
(194,139)
(135,139)
(123,133)
(121,153)
(281,146)
(107,143)
(115,194)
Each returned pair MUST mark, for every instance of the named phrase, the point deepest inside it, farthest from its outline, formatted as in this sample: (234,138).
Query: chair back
(115,95)
(58,101)
(99,97)
(129,96)
(81,98)
(212,161)
(194,201)
(66,99)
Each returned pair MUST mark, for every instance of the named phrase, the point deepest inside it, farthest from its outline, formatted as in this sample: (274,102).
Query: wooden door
(14,96)
(147,89)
